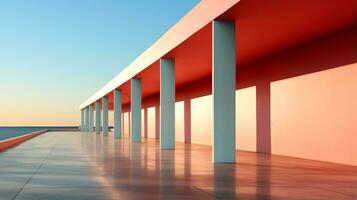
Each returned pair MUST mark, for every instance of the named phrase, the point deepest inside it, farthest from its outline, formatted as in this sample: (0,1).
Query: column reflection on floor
(263,177)
(224,181)
(167,174)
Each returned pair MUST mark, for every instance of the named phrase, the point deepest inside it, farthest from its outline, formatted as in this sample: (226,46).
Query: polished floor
(73,165)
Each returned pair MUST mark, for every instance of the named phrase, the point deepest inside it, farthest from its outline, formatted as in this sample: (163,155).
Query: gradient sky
(55,54)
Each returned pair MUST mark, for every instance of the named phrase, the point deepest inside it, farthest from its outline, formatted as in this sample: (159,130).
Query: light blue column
(98,117)
(135,120)
(117,114)
(167,104)
(87,119)
(105,115)
(82,120)
(91,118)
(223,91)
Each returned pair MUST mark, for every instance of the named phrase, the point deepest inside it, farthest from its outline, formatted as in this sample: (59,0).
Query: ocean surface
(7,132)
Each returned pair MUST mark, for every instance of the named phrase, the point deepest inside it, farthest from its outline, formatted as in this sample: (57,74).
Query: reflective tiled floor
(73,165)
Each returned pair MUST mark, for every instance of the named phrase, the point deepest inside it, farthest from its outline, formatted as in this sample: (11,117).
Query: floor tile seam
(33,174)
(201,190)
(341,193)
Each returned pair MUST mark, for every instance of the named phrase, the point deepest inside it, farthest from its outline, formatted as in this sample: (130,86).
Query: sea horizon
(7,132)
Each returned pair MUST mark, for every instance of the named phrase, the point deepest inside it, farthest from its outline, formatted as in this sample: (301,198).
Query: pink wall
(315,116)
(151,122)
(201,120)
(126,123)
(179,122)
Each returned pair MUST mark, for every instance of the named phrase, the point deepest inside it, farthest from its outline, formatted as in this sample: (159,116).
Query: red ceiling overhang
(263,27)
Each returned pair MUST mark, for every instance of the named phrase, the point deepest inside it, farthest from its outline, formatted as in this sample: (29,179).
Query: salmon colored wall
(179,122)
(111,118)
(126,123)
(151,122)
(142,123)
(315,116)
(201,120)
(246,119)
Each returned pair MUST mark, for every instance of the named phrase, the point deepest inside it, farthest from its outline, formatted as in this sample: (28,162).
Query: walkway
(72,165)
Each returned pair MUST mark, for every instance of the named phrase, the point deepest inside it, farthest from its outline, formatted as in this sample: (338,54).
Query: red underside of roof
(263,28)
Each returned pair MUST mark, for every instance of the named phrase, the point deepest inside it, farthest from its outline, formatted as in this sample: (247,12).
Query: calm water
(9,132)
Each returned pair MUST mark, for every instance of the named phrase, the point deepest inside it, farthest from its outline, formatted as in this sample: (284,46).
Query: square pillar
(117,114)
(135,121)
(91,118)
(263,138)
(87,119)
(98,117)
(223,91)
(105,115)
(167,103)
(82,120)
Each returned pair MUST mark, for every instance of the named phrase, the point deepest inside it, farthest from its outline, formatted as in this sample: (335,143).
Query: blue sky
(55,54)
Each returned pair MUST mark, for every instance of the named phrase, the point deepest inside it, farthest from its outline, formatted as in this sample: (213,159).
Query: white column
(117,114)
(91,118)
(87,119)
(223,90)
(105,115)
(98,117)
(82,120)
(135,120)
(167,103)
